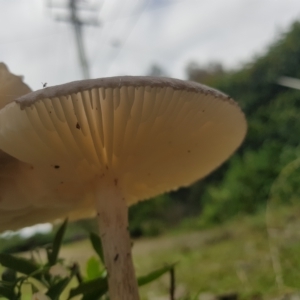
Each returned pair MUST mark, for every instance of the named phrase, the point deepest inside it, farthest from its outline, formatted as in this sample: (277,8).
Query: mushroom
(94,147)
(11,86)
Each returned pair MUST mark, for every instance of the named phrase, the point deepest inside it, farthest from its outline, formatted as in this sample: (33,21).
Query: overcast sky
(134,34)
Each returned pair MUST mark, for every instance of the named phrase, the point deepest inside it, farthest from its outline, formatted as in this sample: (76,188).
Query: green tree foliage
(273,135)
(242,185)
(204,74)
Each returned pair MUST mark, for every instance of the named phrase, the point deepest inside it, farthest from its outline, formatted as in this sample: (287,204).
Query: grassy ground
(256,257)
(244,256)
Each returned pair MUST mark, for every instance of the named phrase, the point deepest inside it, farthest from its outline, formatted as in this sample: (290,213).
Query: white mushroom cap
(152,135)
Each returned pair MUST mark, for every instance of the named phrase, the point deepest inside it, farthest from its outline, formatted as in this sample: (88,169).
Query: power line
(77,25)
(137,16)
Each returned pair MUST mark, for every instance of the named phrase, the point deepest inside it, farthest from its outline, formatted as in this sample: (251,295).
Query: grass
(227,259)
(246,256)
(231,258)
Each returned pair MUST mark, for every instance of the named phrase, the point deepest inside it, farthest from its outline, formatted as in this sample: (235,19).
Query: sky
(132,35)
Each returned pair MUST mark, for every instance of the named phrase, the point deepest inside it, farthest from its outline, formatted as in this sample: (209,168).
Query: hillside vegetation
(243,184)
(241,257)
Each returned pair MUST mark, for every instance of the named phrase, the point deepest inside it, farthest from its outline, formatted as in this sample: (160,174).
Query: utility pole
(77,25)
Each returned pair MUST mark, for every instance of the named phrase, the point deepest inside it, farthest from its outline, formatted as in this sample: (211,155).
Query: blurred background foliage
(242,185)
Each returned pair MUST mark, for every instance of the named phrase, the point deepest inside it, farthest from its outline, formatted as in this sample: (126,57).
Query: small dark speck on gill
(116,181)
(116,257)
(77,126)
(56,167)
(189,151)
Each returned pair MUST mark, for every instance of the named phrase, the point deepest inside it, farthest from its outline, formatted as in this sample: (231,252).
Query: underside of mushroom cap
(151,135)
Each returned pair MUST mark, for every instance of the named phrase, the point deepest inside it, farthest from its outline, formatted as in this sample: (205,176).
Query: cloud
(137,33)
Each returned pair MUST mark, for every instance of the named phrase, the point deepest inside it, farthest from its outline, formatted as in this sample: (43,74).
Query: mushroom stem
(112,214)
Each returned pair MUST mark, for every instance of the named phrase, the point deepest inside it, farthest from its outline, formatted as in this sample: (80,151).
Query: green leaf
(97,245)
(55,290)
(97,286)
(154,275)
(93,269)
(18,264)
(92,296)
(34,288)
(26,291)
(53,253)
(7,290)
(9,275)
